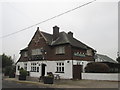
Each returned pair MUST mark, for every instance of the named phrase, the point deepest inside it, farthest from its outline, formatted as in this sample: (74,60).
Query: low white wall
(101,76)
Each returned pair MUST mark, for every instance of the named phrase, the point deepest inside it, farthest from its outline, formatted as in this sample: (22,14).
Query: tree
(118,59)
(6,61)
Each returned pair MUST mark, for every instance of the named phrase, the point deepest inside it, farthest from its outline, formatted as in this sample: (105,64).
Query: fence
(101,76)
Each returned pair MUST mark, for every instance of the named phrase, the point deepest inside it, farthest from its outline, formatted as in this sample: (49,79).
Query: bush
(7,70)
(96,67)
(12,72)
(50,74)
(23,74)
(49,78)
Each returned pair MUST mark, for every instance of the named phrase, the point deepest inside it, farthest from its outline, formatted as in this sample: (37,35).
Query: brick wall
(38,41)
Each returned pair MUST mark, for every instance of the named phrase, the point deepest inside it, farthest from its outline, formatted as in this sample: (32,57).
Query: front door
(43,69)
(77,69)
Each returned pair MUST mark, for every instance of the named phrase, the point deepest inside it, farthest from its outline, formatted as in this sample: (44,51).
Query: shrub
(7,70)
(49,78)
(50,74)
(23,72)
(96,67)
(12,72)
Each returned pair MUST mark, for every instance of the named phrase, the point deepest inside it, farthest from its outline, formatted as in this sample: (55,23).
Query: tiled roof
(25,59)
(64,38)
(48,36)
(106,58)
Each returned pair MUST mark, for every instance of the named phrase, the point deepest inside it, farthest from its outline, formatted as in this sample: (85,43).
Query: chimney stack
(55,32)
(70,34)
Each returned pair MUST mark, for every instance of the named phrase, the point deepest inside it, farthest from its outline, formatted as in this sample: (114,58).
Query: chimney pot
(70,34)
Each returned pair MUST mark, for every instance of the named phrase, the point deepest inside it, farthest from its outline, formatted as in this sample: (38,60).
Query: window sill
(60,54)
(32,71)
(59,72)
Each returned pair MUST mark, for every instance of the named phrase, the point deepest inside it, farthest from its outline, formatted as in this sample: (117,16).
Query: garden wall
(101,76)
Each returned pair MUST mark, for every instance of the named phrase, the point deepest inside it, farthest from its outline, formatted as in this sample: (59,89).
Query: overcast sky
(95,24)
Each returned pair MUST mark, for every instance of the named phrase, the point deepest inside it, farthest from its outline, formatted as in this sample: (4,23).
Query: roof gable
(37,36)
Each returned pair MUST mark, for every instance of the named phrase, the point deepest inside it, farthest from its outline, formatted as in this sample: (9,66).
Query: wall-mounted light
(68,61)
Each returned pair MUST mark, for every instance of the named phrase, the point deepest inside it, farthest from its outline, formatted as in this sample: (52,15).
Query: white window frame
(25,66)
(60,67)
(33,67)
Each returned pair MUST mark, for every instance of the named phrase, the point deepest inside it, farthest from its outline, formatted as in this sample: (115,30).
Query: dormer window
(60,50)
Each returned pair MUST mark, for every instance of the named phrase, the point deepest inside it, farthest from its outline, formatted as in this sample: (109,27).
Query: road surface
(14,84)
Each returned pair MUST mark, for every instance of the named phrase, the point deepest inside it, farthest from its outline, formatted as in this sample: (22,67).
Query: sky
(95,24)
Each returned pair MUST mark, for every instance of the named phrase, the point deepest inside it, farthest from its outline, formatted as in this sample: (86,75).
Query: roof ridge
(45,32)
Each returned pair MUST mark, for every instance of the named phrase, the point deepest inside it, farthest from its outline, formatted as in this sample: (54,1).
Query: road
(14,84)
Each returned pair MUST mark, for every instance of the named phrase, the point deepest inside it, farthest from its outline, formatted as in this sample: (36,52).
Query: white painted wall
(52,67)
(35,74)
(101,76)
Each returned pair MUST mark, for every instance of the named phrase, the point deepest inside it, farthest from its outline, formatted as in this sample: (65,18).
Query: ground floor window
(60,67)
(25,66)
(37,69)
(34,67)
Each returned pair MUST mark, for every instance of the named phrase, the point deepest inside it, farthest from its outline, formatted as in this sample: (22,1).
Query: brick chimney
(70,34)
(55,32)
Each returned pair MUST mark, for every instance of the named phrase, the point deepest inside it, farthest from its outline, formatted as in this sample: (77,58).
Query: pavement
(70,83)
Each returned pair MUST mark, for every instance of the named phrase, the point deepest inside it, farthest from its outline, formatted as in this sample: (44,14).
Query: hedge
(96,67)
